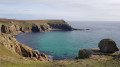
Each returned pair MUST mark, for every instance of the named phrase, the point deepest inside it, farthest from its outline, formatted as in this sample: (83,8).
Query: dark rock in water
(108,46)
(80,29)
(84,53)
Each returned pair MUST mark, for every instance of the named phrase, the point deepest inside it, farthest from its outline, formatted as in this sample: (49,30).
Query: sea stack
(108,46)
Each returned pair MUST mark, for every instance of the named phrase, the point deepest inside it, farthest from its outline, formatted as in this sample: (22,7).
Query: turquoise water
(66,44)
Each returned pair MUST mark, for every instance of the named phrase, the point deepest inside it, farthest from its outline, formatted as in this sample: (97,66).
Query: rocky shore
(15,54)
(10,27)
(106,47)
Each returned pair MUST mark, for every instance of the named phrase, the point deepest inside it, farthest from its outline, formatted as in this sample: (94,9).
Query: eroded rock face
(3,29)
(10,43)
(13,29)
(0,28)
(108,46)
(44,28)
(35,29)
(43,57)
(61,26)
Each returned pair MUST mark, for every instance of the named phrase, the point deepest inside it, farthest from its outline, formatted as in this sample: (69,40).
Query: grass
(98,61)
(6,24)
(7,53)
(29,23)
(26,64)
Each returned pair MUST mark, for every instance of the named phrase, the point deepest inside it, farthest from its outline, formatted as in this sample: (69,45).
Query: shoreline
(51,56)
(33,58)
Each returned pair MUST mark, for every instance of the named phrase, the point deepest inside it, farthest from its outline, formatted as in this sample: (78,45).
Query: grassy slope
(98,61)
(7,53)
(29,23)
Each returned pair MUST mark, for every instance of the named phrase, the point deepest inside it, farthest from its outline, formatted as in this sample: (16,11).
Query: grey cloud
(75,9)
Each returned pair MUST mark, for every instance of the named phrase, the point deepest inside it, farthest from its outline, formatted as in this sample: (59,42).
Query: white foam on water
(51,57)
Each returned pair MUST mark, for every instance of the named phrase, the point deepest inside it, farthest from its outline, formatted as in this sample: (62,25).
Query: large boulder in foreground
(84,53)
(108,46)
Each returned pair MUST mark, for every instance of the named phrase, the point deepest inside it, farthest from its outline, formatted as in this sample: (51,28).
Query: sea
(61,45)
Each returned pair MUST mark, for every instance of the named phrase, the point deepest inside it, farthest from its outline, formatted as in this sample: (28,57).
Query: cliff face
(20,26)
(9,27)
(10,43)
(60,26)
(15,29)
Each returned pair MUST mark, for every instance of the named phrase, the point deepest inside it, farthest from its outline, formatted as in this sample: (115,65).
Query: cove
(66,44)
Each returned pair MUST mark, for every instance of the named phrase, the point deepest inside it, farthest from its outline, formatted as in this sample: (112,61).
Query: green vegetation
(12,59)
(6,24)
(29,23)
(97,61)
(7,53)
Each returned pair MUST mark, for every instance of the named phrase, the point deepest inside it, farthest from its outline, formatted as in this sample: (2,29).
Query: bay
(66,44)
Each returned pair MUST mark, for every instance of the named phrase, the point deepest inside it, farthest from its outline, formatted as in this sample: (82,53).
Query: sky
(76,10)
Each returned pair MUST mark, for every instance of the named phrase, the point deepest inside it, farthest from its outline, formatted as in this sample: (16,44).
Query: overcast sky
(79,10)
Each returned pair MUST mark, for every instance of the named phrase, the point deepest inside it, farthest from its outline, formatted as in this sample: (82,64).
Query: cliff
(15,54)
(10,27)
(10,43)
(13,27)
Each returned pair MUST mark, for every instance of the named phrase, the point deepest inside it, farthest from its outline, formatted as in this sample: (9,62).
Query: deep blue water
(66,44)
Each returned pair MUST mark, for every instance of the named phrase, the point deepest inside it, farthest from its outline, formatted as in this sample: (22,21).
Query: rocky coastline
(103,55)
(10,27)
(106,47)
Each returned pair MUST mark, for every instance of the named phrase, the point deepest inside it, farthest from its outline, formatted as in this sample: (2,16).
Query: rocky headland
(15,54)
(10,27)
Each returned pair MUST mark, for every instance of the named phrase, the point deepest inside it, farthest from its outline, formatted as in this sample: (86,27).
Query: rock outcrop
(84,53)
(10,43)
(108,46)
(60,26)
(0,28)
(13,29)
